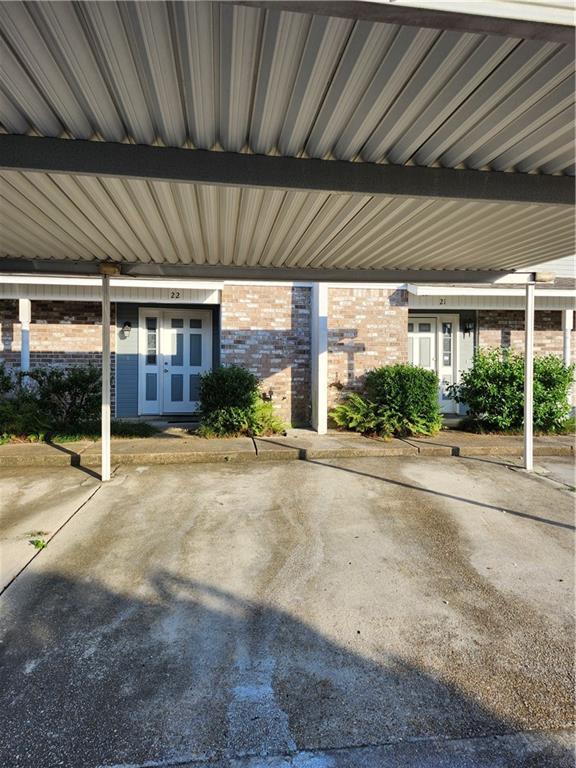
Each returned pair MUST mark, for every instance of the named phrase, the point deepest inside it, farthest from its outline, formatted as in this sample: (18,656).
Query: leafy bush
(6,382)
(59,405)
(231,404)
(397,400)
(71,396)
(22,417)
(361,415)
(227,387)
(493,391)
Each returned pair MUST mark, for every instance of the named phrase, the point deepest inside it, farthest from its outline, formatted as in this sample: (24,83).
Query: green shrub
(397,400)
(231,404)
(21,417)
(58,405)
(493,391)
(227,387)
(69,397)
(6,382)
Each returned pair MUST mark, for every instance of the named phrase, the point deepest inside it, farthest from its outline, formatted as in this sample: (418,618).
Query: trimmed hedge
(397,400)
(493,391)
(231,405)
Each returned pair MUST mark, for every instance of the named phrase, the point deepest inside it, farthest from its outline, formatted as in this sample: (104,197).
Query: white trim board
(454,290)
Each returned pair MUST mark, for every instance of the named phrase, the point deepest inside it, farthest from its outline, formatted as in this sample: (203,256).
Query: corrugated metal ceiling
(213,75)
(85,218)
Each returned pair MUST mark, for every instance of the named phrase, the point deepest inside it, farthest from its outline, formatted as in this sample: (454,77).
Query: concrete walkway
(182,448)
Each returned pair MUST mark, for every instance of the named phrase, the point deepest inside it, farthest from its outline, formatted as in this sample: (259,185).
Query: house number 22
(174,294)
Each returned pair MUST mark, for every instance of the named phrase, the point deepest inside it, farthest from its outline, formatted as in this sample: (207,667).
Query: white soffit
(221,76)
(45,216)
(545,11)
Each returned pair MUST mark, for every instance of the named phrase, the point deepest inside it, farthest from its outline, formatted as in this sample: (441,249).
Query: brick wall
(62,333)
(505,328)
(366,328)
(267,330)
(500,328)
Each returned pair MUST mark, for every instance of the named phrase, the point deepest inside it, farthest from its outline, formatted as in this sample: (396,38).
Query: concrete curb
(267,452)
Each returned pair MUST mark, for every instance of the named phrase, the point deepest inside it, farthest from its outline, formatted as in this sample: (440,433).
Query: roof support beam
(94,158)
(395,13)
(231,272)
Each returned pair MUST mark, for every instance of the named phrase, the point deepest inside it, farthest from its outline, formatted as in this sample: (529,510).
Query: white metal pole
(105,472)
(529,379)
(567,327)
(25,316)
(319,353)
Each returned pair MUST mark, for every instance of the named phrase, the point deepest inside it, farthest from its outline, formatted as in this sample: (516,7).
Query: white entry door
(422,342)
(175,350)
(432,345)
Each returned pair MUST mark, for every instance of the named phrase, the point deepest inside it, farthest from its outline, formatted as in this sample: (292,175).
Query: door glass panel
(195,349)
(177,387)
(178,356)
(151,386)
(424,327)
(177,322)
(151,340)
(425,353)
(195,322)
(410,327)
(194,386)
(446,343)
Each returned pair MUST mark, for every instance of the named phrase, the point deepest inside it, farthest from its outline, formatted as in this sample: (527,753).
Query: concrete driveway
(330,614)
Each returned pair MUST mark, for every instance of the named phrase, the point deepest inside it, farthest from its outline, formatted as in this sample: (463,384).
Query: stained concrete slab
(33,505)
(559,470)
(353,612)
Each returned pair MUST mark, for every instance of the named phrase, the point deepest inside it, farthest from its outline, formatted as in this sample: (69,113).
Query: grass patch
(92,432)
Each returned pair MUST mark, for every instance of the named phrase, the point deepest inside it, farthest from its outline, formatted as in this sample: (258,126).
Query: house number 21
(442,301)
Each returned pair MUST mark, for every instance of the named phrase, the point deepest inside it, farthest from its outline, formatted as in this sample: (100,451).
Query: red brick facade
(267,330)
(366,328)
(505,328)
(62,333)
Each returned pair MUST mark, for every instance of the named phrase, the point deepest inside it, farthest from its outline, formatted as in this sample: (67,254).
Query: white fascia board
(543,11)
(115,282)
(438,290)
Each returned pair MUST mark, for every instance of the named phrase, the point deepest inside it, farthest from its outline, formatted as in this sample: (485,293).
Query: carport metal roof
(182,137)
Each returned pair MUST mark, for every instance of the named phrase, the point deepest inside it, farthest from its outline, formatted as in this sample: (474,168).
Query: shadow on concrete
(75,459)
(173,671)
(443,495)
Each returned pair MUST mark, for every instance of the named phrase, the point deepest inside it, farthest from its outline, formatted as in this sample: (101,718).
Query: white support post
(529,379)
(567,328)
(319,351)
(25,316)
(105,472)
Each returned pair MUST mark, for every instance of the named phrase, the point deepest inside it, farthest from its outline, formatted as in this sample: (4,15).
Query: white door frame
(446,318)
(156,407)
